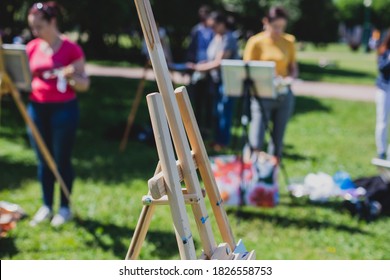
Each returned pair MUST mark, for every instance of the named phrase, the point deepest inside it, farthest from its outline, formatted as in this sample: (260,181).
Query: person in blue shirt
(223,46)
(383,98)
(200,38)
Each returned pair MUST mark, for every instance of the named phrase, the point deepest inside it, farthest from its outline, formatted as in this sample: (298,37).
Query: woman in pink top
(57,66)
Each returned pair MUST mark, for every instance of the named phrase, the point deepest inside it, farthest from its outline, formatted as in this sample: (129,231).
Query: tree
(97,18)
(12,18)
(351,12)
(381,10)
(317,23)
(250,12)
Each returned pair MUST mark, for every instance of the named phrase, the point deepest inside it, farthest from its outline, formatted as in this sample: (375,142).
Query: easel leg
(140,232)
(174,192)
(168,166)
(202,160)
(141,228)
(134,109)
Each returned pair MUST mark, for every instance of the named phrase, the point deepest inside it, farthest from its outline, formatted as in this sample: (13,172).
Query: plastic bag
(250,182)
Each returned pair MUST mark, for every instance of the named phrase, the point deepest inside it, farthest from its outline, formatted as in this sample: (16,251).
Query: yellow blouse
(263,47)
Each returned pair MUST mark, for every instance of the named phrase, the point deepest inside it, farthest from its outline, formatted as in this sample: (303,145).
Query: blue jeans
(278,112)
(223,113)
(57,124)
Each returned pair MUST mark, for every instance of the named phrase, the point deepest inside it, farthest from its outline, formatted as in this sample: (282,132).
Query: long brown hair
(385,45)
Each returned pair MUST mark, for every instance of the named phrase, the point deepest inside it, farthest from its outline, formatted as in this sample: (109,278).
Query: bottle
(343,180)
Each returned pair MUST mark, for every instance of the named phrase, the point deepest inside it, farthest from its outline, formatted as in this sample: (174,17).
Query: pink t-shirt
(43,66)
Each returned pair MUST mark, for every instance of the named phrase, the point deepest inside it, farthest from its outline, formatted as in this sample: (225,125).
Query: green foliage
(382,10)
(317,23)
(251,12)
(352,12)
(100,25)
(313,21)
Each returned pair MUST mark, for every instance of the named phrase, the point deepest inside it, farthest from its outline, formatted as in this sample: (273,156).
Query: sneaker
(62,217)
(44,213)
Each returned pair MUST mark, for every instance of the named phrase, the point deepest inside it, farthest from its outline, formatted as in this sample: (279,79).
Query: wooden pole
(166,155)
(134,109)
(175,123)
(141,228)
(3,86)
(204,167)
(140,232)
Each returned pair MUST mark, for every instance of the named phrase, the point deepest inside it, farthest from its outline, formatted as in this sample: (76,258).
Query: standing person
(57,65)
(383,98)
(223,46)
(273,44)
(200,38)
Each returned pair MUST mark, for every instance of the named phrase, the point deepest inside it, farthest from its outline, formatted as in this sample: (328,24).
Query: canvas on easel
(262,73)
(16,66)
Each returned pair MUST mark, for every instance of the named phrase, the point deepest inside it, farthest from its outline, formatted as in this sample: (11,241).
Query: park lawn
(323,135)
(345,66)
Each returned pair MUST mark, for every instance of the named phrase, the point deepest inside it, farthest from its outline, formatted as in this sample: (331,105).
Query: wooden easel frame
(134,107)
(7,87)
(165,187)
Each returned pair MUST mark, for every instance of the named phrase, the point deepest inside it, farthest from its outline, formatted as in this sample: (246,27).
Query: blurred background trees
(110,29)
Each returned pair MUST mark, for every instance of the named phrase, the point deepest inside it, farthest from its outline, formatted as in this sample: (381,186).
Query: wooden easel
(8,87)
(134,108)
(173,108)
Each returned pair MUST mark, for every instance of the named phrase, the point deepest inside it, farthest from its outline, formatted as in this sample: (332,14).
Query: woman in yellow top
(273,45)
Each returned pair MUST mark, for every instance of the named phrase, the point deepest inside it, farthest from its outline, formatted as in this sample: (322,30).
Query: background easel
(165,186)
(7,87)
(134,107)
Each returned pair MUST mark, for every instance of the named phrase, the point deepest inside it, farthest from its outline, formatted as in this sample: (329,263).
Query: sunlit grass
(339,65)
(323,135)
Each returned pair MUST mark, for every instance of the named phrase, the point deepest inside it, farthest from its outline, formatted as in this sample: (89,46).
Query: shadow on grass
(104,110)
(7,248)
(96,155)
(16,173)
(316,73)
(301,202)
(289,153)
(284,222)
(165,242)
(305,104)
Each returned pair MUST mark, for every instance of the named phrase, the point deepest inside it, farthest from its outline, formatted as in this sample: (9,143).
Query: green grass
(345,66)
(324,135)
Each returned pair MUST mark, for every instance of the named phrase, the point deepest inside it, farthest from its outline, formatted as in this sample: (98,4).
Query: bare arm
(76,76)
(293,70)
(207,66)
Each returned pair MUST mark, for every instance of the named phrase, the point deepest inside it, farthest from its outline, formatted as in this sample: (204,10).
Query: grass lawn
(345,66)
(324,135)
